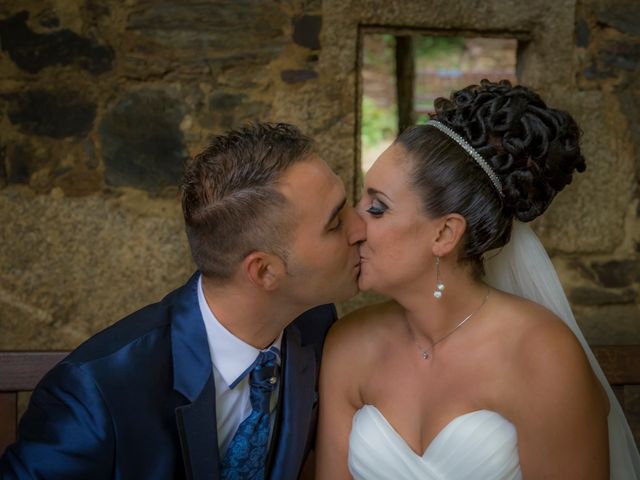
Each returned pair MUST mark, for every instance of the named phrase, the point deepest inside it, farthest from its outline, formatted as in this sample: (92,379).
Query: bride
(476,367)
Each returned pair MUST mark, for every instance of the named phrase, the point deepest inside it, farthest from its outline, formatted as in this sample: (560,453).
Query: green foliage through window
(431,48)
(378,123)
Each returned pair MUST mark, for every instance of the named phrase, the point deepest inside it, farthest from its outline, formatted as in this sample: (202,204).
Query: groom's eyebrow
(335,212)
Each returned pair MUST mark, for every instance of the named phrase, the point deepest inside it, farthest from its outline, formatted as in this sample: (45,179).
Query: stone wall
(101,102)
(602,264)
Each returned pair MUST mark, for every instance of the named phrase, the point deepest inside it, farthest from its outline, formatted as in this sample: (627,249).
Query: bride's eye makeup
(377,208)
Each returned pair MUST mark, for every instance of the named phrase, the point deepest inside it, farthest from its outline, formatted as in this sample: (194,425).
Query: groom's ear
(450,231)
(264,270)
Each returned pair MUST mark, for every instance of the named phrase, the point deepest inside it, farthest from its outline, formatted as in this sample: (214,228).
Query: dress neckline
(448,426)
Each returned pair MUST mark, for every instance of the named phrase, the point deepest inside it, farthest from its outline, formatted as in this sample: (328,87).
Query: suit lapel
(198,435)
(299,375)
(193,378)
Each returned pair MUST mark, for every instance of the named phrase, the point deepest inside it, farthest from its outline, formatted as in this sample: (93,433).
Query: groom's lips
(357,263)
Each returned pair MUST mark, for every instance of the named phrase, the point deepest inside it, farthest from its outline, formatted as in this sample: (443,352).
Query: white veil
(523,268)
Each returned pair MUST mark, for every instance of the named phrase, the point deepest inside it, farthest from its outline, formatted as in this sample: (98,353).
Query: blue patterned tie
(247,453)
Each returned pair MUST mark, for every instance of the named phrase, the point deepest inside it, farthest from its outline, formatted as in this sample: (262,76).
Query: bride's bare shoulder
(352,350)
(533,331)
(362,331)
(546,355)
(529,322)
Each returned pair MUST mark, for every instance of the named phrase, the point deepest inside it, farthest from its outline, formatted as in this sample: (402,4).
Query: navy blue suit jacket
(137,401)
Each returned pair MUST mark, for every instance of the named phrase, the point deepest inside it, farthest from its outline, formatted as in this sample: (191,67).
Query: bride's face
(397,249)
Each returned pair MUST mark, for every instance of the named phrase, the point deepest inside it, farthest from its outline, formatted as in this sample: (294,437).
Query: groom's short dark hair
(230,204)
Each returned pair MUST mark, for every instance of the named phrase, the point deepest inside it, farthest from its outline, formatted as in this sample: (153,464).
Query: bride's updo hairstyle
(533,150)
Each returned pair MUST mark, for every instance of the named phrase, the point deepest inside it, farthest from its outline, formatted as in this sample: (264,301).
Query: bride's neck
(431,318)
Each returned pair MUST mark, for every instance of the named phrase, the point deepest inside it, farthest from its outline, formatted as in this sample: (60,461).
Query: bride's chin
(364,284)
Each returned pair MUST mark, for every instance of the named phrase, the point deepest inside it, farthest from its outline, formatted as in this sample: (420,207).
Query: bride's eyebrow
(372,191)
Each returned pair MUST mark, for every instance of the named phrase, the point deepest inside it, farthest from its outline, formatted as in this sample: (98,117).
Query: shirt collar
(231,356)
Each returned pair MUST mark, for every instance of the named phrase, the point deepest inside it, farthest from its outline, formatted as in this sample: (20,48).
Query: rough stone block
(3,168)
(297,76)
(582,33)
(231,110)
(630,106)
(226,100)
(618,273)
(142,143)
(599,296)
(589,215)
(48,18)
(33,51)
(40,166)
(198,38)
(610,324)
(621,15)
(51,113)
(17,164)
(72,266)
(306,31)
(619,55)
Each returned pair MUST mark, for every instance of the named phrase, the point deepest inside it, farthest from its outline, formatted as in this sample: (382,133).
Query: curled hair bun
(532,148)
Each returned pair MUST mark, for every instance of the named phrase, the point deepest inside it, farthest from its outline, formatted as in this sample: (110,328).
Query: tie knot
(263,380)
(267,358)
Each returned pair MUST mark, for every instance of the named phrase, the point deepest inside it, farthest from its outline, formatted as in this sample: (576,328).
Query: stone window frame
(523,40)
(548,60)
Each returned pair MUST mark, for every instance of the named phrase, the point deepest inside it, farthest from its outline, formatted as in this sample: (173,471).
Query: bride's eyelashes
(377,208)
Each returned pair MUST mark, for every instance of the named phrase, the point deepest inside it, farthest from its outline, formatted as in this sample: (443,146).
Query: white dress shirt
(230,358)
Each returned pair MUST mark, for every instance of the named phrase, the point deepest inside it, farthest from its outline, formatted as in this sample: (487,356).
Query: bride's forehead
(391,168)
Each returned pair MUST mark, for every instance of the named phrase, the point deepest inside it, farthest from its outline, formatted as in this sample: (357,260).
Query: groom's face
(324,262)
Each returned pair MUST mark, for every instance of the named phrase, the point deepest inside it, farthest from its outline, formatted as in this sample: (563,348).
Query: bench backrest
(21,371)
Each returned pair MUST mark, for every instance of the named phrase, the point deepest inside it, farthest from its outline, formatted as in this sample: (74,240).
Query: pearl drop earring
(439,285)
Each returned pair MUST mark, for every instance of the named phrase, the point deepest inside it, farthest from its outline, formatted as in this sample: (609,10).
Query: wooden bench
(21,371)
(621,365)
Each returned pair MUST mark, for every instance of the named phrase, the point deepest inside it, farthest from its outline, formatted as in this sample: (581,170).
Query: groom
(218,380)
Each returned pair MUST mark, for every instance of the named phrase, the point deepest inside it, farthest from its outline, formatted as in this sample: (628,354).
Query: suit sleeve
(66,432)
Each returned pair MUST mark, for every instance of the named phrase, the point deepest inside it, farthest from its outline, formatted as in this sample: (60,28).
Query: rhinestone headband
(471,151)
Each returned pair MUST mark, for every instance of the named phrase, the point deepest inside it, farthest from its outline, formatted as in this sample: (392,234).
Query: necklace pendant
(425,355)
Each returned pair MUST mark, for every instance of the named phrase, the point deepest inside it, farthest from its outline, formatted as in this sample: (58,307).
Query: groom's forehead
(310,180)
(313,189)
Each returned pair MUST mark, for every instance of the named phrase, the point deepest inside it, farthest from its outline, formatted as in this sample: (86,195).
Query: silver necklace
(426,352)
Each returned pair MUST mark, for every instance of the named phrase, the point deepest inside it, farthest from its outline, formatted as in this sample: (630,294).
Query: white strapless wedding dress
(477,445)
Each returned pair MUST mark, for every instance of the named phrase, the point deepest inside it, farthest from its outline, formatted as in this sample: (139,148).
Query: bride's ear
(450,232)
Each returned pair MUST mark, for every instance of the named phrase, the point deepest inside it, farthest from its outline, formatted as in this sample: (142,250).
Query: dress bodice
(480,445)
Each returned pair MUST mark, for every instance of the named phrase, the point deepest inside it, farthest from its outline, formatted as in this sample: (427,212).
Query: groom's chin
(347,292)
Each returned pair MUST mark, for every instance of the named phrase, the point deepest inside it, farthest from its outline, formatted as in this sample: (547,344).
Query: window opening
(402,75)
